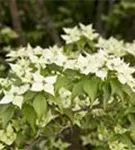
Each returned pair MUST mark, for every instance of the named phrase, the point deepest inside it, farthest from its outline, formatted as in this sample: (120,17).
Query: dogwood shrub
(87,84)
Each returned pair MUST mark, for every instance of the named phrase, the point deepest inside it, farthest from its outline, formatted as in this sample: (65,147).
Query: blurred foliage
(121,21)
(109,18)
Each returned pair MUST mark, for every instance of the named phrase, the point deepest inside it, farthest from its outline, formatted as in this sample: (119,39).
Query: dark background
(40,22)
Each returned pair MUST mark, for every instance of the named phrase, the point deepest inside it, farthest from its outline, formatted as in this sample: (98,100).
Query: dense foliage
(78,96)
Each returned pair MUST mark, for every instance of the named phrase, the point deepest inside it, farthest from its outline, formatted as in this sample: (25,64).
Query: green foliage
(7,35)
(40,105)
(123,11)
(51,93)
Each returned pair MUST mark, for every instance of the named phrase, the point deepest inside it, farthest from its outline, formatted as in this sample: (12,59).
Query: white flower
(38,50)
(14,95)
(37,77)
(112,46)
(15,99)
(65,96)
(54,55)
(70,64)
(8,136)
(114,63)
(7,99)
(60,59)
(43,83)
(27,78)
(50,79)
(122,78)
(82,63)
(102,74)
(2,146)
(49,88)
(48,56)
(18,101)
(17,69)
(116,145)
(19,90)
(72,35)
(37,86)
(88,31)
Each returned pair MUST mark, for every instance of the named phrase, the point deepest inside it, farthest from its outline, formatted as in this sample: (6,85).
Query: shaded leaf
(40,105)
(78,89)
(91,87)
(7,115)
(62,81)
(30,115)
(116,88)
(106,93)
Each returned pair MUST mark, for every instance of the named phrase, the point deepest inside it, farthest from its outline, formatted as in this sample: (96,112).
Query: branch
(87,108)
(34,142)
(16,21)
(99,13)
(48,23)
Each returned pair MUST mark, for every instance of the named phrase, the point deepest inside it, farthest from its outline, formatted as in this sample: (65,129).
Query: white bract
(43,83)
(88,32)
(54,55)
(98,63)
(7,98)
(102,74)
(112,46)
(8,136)
(14,95)
(116,145)
(2,146)
(65,96)
(92,64)
(70,64)
(31,61)
(123,71)
(18,101)
(72,35)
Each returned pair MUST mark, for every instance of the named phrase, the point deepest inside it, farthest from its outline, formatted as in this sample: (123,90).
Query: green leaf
(127,140)
(116,88)
(77,89)
(62,81)
(127,90)
(129,93)
(30,115)
(71,73)
(69,114)
(29,95)
(106,93)
(7,115)
(2,146)
(40,105)
(91,87)
(130,110)
(131,118)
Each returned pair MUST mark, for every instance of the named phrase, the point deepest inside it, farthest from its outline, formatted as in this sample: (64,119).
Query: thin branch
(99,11)
(16,21)
(34,142)
(48,23)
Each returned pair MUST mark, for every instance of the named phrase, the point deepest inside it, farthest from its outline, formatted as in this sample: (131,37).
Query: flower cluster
(29,64)
(48,89)
(75,34)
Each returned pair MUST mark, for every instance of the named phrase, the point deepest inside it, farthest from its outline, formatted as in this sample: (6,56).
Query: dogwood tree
(87,84)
